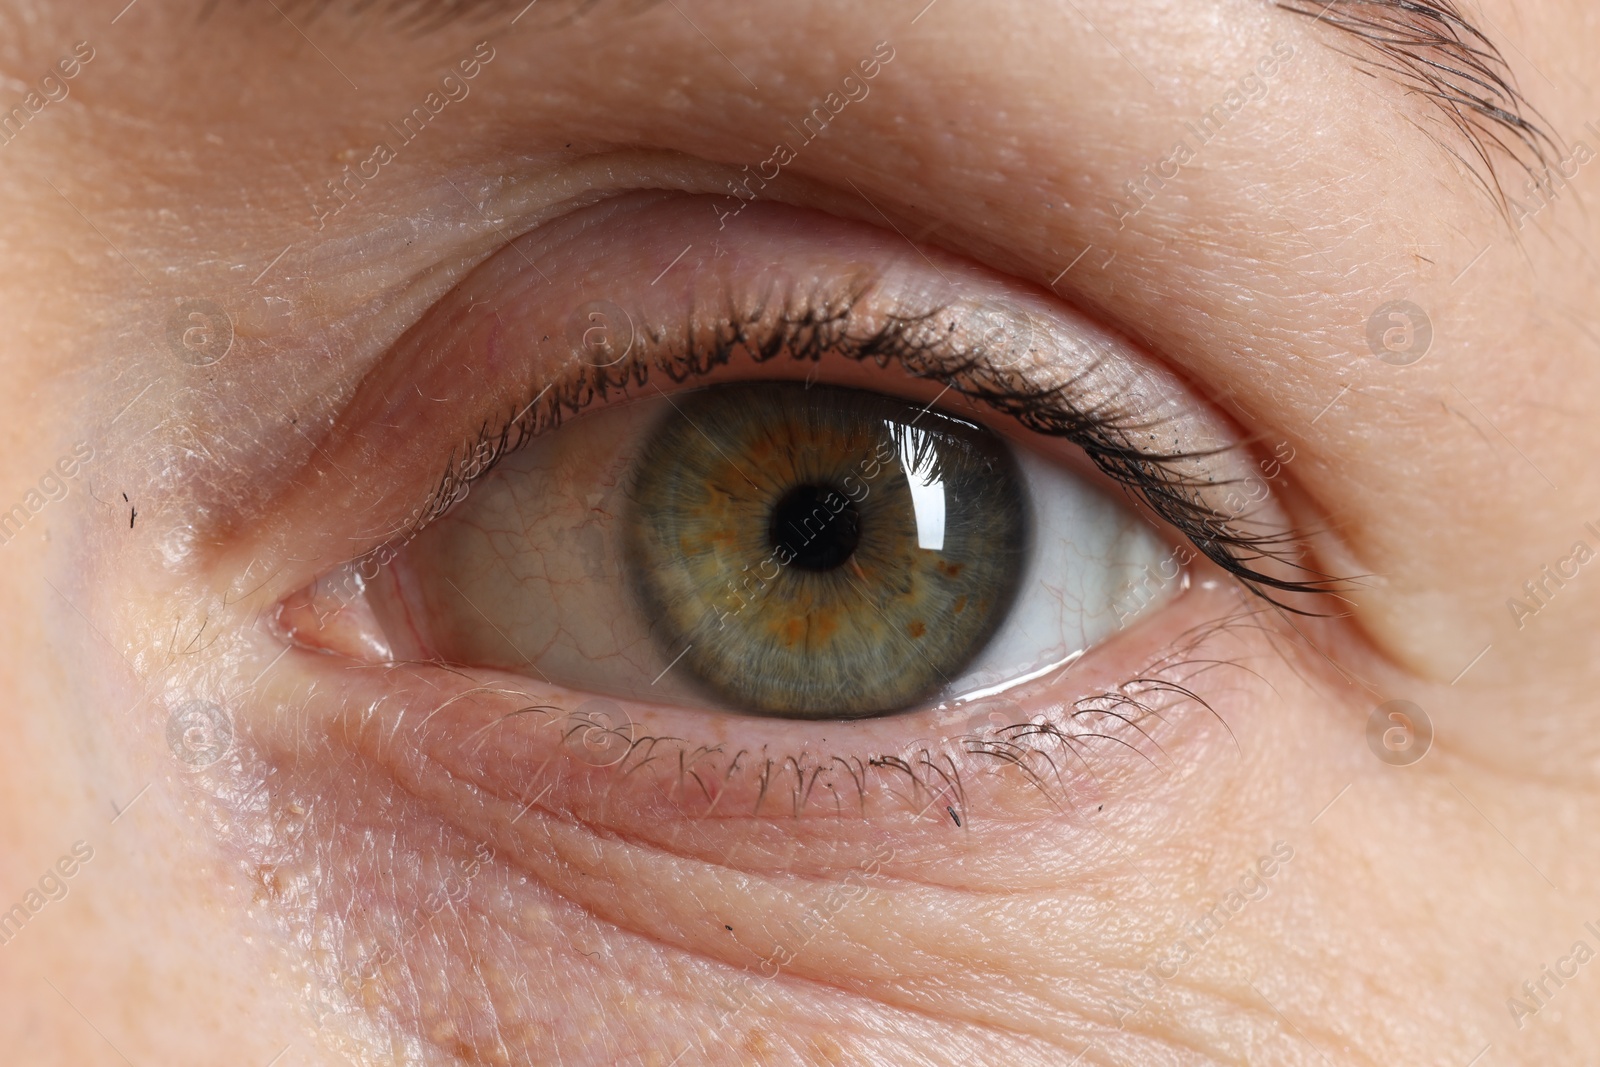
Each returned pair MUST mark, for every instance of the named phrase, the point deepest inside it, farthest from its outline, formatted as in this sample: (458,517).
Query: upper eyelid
(1134,418)
(809,327)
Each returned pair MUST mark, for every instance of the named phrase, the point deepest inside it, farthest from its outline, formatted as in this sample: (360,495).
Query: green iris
(821,552)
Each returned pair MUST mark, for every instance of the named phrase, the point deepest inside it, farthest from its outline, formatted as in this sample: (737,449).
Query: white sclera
(533,558)
(1086,577)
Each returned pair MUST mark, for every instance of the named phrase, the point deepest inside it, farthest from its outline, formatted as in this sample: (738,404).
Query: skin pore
(266,274)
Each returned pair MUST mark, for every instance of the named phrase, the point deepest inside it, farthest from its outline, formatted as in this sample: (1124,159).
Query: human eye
(811,494)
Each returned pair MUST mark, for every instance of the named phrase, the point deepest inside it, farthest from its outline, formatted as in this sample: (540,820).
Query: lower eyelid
(1120,714)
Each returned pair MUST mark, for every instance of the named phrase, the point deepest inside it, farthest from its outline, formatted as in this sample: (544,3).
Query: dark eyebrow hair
(1433,50)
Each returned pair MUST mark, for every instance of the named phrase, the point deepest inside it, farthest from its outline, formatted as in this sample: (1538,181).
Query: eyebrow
(1429,47)
(1433,50)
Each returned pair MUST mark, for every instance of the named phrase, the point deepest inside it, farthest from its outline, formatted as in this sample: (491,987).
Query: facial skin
(377,868)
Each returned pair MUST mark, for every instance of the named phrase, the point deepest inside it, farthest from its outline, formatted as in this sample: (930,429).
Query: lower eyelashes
(822,552)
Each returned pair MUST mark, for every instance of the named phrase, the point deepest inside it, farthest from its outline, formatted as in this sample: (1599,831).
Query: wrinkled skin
(354,883)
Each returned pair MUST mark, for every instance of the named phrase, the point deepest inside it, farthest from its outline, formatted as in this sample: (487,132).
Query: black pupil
(817,525)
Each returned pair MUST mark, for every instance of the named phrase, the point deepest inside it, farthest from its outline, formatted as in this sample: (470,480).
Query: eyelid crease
(810,326)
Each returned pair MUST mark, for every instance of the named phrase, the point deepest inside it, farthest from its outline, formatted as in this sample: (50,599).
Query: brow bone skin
(1432,49)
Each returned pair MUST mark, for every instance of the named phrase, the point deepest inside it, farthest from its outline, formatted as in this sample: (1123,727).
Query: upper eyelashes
(1193,490)
(785,295)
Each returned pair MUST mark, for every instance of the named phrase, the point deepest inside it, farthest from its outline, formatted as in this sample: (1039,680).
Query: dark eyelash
(808,329)
(1043,749)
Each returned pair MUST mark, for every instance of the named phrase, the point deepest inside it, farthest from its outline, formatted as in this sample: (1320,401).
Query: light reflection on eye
(774,549)
(925,484)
